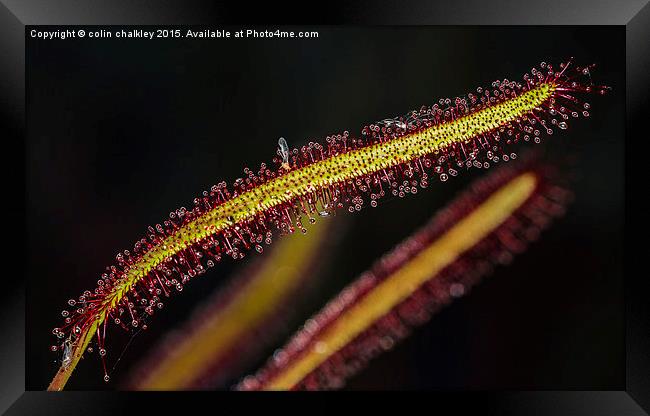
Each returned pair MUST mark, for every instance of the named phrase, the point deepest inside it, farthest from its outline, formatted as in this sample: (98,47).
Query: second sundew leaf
(487,225)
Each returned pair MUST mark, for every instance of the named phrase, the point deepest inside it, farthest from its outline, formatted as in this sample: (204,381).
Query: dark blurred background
(121,132)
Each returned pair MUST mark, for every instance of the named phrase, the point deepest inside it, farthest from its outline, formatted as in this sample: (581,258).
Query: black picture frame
(15,15)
